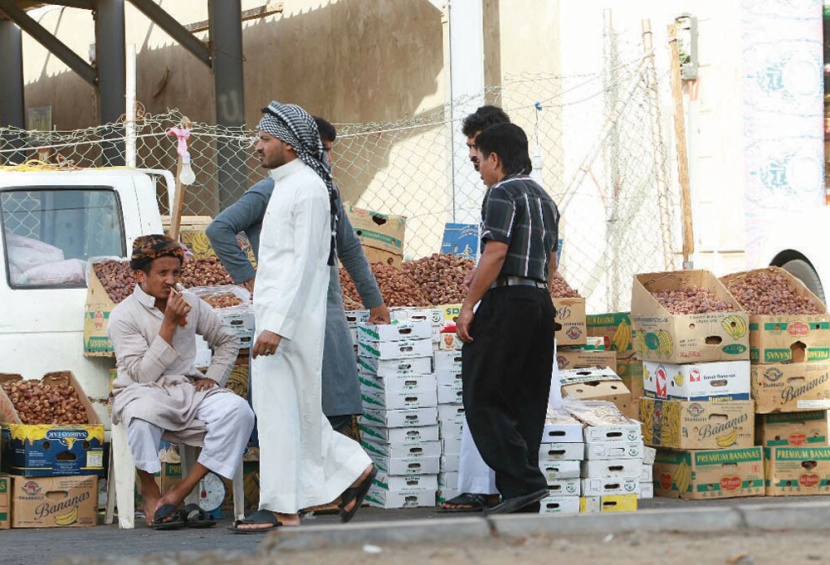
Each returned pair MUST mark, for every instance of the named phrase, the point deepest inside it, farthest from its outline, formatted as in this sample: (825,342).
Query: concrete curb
(801,515)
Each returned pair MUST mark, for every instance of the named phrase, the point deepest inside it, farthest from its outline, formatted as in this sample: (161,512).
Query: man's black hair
(509,142)
(482,118)
(327,131)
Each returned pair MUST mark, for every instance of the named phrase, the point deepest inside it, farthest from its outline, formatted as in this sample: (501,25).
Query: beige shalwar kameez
(303,462)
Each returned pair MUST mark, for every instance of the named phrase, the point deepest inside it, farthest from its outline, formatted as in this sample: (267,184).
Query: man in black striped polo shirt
(507,359)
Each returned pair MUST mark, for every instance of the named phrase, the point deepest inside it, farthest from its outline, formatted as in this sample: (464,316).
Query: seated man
(158,388)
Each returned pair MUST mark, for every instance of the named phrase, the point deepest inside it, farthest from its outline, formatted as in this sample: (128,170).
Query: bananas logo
(678,379)
(682,477)
(728,439)
(734,325)
(666,344)
(640,341)
(622,336)
(68,518)
(199,244)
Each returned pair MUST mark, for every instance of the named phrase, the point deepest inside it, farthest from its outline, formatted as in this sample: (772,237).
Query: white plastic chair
(121,480)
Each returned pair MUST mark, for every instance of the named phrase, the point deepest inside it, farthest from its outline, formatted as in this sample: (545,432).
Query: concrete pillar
(12,113)
(110,57)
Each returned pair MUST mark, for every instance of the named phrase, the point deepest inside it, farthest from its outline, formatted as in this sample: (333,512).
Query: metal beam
(12,112)
(52,43)
(174,29)
(228,80)
(110,57)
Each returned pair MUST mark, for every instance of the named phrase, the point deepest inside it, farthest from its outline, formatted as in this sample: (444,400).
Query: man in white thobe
(303,462)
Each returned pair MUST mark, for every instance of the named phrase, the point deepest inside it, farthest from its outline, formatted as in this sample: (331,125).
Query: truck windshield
(49,234)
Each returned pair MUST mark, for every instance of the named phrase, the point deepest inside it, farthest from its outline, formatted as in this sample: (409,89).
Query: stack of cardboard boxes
(400,416)
(697,406)
(54,469)
(618,335)
(790,379)
(560,459)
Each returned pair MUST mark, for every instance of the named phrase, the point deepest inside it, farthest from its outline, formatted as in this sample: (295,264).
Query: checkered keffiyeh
(294,126)
(149,247)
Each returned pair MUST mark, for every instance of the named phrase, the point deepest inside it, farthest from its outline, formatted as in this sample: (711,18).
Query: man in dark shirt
(507,359)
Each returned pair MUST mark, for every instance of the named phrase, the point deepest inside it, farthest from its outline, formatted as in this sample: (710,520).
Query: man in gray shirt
(341,387)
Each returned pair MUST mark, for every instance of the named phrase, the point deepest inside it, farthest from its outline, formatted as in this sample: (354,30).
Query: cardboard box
(449,378)
(649,453)
(560,470)
(449,341)
(408,418)
(397,330)
(629,368)
(450,395)
(604,423)
(613,450)
(559,505)
(435,316)
(797,471)
(240,321)
(593,384)
(388,368)
(792,429)
(616,328)
(570,312)
(575,358)
(724,380)
(610,503)
(414,384)
(382,399)
(380,498)
(406,466)
(679,338)
(400,436)
(601,469)
(450,463)
(608,486)
(791,338)
(451,414)
(563,487)
(422,450)
(54,502)
(451,445)
(381,235)
(447,361)
(790,387)
(451,311)
(414,483)
(460,240)
(728,473)
(239,379)
(561,427)
(561,452)
(43,450)
(694,424)
(355,317)
(96,317)
(385,350)
(646,473)
(646,489)
(5,502)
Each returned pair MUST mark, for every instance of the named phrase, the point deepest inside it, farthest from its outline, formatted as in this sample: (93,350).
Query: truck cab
(52,223)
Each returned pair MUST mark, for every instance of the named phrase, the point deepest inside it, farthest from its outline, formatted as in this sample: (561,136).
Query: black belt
(518,281)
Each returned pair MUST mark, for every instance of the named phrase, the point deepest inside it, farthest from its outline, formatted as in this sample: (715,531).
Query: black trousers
(506,372)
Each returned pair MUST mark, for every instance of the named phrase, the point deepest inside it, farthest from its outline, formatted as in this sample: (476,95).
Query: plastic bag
(223,297)
(61,272)
(26,253)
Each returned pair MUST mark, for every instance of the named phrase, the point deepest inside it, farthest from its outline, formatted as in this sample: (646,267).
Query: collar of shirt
(281,172)
(145,299)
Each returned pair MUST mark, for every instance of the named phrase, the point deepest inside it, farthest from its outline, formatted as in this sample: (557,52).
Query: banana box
(559,505)
(591,383)
(609,503)
(411,417)
(397,330)
(450,311)
(559,469)
(616,328)
(5,501)
(791,387)
(792,429)
(561,452)
(686,338)
(435,316)
(54,502)
(560,427)
(790,338)
(564,487)
(43,450)
(577,358)
(355,317)
(682,424)
(724,380)
(606,486)
(797,471)
(381,235)
(570,313)
(728,473)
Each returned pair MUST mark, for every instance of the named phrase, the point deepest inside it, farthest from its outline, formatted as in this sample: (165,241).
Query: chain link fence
(600,145)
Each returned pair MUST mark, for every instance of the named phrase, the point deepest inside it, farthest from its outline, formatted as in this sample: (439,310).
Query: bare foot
(287,520)
(359,480)
(150,506)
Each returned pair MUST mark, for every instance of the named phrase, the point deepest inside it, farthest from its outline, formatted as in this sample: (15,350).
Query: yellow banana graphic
(622,336)
(728,439)
(734,325)
(682,477)
(67,518)
(666,344)
(678,379)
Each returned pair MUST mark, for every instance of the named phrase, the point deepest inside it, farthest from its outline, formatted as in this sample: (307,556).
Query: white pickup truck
(53,222)
(799,244)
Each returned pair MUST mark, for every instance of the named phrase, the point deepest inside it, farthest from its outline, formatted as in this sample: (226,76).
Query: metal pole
(110,58)
(228,77)
(12,113)
(130,121)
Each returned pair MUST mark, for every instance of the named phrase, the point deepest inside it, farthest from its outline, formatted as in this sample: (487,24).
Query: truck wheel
(802,270)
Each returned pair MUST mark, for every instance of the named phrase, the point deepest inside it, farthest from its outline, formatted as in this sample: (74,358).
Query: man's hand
(203,384)
(463,323)
(266,344)
(177,309)
(379,315)
(249,286)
